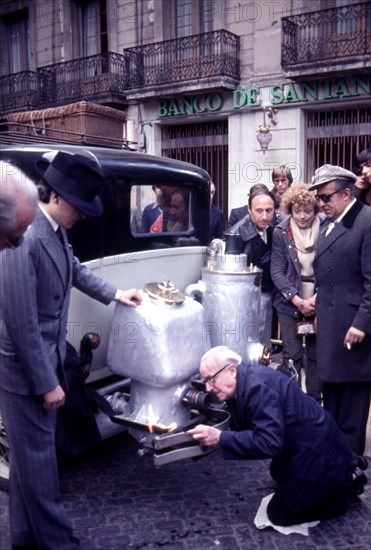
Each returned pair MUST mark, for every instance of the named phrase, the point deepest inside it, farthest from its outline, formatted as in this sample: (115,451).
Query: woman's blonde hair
(298,195)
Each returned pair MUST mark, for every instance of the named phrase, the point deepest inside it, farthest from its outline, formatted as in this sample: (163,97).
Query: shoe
(356,477)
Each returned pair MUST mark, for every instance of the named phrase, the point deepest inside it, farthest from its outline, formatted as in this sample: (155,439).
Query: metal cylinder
(232,305)
(230,292)
(233,243)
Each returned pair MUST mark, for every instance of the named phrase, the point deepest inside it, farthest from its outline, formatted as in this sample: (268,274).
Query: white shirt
(331,225)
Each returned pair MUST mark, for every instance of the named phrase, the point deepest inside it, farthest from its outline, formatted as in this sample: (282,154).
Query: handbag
(307,326)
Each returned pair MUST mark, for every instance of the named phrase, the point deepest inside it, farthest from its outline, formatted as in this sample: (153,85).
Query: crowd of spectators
(314,251)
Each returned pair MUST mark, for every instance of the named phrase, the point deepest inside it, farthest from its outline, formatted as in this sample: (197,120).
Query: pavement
(122,502)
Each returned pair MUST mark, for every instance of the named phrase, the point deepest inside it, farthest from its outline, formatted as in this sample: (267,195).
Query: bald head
(218,369)
(18,203)
(221,355)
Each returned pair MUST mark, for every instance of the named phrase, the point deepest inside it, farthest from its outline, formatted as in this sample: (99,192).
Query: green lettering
(364,85)
(307,88)
(173,108)
(276,94)
(186,105)
(239,99)
(196,104)
(252,94)
(291,96)
(327,89)
(161,108)
(213,102)
(341,90)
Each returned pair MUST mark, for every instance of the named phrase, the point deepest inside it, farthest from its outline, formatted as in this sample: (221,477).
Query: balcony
(100,77)
(205,61)
(327,41)
(208,60)
(18,91)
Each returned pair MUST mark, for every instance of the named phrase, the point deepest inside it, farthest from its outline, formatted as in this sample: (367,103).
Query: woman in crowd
(293,250)
(282,179)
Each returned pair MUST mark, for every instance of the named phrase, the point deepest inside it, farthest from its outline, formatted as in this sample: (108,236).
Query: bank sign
(279,94)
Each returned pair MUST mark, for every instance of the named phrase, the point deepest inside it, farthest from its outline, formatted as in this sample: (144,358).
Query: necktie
(60,236)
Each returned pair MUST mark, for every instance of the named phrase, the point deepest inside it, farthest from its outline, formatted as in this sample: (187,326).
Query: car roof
(113,161)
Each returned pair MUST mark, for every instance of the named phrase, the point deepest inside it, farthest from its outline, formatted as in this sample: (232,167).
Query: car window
(156,209)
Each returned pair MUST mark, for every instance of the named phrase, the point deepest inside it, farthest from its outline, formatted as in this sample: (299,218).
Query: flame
(153,423)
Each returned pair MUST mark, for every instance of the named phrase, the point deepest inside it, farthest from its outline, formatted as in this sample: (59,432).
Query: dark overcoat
(236,215)
(216,227)
(342,268)
(273,418)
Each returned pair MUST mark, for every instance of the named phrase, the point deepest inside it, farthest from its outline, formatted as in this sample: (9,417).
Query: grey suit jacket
(342,268)
(36,281)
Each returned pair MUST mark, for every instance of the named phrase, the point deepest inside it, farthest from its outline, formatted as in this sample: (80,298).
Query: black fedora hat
(76,178)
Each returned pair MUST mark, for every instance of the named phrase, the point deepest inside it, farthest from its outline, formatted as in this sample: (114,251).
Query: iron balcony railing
(94,77)
(108,76)
(340,34)
(86,78)
(206,55)
(19,91)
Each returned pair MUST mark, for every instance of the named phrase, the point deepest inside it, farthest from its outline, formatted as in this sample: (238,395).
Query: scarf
(305,241)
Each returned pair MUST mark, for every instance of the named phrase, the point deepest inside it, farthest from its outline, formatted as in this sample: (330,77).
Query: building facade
(198,80)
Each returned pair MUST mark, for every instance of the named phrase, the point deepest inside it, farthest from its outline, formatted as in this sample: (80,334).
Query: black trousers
(349,406)
(334,505)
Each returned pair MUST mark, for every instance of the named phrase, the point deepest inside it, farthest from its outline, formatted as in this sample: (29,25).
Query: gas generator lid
(164,292)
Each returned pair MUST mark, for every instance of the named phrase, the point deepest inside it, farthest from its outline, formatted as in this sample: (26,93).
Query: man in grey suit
(18,204)
(36,279)
(342,268)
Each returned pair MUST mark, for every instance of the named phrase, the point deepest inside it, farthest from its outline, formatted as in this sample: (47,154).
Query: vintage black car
(118,248)
(130,178)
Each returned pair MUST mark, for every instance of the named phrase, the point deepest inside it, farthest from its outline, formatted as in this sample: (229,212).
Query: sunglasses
(326,198)
(211,378)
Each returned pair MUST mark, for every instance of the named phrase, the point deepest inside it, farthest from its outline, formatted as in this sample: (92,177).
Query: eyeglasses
(211,378)
(326,198)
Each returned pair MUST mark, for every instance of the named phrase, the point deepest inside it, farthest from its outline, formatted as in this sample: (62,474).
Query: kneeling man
(272,418)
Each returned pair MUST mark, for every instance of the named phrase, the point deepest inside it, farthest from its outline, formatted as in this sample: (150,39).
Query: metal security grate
(205,145)
(336,137)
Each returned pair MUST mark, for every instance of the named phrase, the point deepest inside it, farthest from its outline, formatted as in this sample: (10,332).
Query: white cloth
(330,227)
(263,235)
(261,521)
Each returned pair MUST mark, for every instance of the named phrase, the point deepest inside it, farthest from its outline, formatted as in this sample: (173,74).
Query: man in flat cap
(36,280)
(342,268)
